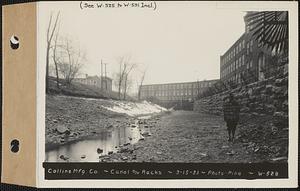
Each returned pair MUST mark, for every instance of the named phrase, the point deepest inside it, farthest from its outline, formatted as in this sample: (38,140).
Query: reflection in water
(86,150)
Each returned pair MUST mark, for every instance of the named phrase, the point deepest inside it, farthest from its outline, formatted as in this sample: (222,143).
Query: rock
(54,121)
(125,144)
(146,134)
(278,90)
(130,138)
(99,151)
(270,108)
(245,109)
(280,119)
(134,157)
(203,154)
(142,139)
(231,152)
(110,152)
(274,129)
(124,158)
(62,129)
(225,147)
(109,126)
(83,157)
(123,150)
(133,125)
(269,89)
(285,105)
(63,157)
(159,153)
(280,159)
(279,82)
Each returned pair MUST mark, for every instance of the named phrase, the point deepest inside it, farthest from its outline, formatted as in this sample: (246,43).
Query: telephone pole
(105,76)
(101,77)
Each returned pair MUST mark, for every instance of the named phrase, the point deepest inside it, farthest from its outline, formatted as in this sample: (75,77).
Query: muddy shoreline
(70,120)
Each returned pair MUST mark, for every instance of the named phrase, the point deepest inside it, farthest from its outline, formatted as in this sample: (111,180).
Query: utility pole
(105,76)
(101,77)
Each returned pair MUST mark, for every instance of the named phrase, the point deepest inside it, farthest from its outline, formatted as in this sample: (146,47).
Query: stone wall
(267,97)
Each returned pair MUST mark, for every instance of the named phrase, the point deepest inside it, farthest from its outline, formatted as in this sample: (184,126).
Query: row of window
(177,86)
(237,78)
(249,65)
(232,53)
(174,98)
(85,81)
(229,56)
(233,66)
(249,25)
(249,47)
(168,93)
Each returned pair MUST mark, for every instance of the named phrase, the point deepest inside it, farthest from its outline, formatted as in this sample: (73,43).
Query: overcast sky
(177,42)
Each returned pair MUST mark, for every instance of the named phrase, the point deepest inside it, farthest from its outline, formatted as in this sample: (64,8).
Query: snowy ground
(135,108)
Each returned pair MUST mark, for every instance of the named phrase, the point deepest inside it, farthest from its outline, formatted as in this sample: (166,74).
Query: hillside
(80,90)
(88,117)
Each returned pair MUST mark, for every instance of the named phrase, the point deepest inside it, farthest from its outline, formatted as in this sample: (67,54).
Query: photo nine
(165,83)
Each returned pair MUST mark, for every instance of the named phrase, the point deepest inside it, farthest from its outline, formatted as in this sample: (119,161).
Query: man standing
(231,110)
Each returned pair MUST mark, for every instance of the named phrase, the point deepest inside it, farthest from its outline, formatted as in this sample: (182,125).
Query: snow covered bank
(135,108)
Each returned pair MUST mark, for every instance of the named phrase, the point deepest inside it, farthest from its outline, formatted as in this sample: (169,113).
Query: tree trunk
(119,89)
(139,93)
(57,78)
(47,68)
(125,88)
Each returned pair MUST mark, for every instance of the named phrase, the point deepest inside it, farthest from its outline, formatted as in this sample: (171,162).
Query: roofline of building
(181,82)
(94,76)
(244,33)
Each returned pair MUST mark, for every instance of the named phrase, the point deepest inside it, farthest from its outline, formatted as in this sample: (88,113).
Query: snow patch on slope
(135,108)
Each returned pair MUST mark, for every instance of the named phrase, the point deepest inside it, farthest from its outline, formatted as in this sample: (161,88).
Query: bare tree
(122,77)
(121,74)
(56,58)
(141,83)
(126,79)
(129,84)
(72,61)
(50,33)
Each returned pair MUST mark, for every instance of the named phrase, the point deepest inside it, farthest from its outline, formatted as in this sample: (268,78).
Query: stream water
(88,150)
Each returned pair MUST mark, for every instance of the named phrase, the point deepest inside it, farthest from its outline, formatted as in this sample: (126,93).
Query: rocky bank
(70,119)
(264,114)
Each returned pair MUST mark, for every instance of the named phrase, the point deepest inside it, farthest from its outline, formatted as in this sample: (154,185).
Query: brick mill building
(246,60)
(177,95)
(100,82)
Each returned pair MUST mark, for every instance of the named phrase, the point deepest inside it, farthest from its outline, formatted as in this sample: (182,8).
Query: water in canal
(86,150)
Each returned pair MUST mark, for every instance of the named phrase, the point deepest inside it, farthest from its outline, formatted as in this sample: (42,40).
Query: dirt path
(186,136)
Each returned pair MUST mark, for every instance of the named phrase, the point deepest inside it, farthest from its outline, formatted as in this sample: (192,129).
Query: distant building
(246,60)
(172,94)
(105,83)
